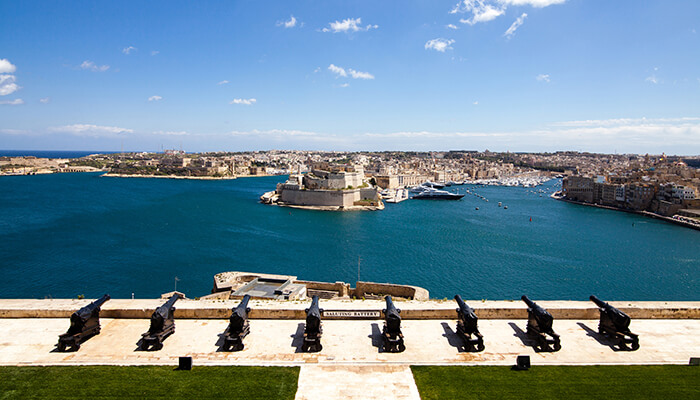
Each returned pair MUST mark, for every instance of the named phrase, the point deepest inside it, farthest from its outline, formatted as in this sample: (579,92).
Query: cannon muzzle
(529,302)
(600,303)
(240,313)
(461,304)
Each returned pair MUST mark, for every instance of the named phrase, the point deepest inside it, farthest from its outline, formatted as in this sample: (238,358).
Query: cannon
(162,325)
(84,324)
(539,327)
(615,325)
(313,329)
(393,338)
(467,326)
(238,326)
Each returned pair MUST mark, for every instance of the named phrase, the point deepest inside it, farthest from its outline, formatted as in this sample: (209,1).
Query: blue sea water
(67,234)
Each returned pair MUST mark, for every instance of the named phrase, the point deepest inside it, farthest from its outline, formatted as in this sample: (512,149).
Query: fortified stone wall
(405,291)
(329,198)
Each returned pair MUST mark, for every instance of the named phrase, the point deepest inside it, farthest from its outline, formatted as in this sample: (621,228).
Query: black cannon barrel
(313,316)
(164,310)
(529,302)
(240,313)
(85,312)
(600,303)
(617,317)
(463,307)
(391,312)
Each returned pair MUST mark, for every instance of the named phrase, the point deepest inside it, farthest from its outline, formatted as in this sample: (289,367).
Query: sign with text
(356,314)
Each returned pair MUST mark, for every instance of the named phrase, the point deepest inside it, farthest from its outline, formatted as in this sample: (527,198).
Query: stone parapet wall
(264,309)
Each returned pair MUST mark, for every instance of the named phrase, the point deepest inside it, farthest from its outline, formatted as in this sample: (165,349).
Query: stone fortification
(290,310)
(333,189)
(229,284)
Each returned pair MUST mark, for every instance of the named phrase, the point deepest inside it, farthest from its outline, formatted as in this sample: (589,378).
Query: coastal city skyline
(503,75)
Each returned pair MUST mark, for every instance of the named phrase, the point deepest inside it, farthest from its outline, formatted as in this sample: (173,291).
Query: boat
(505,207)
(477,208)
(499,204)
(433,185)
(435,194)
(398,196)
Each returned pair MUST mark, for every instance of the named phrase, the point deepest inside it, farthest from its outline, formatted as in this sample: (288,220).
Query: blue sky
(516,75)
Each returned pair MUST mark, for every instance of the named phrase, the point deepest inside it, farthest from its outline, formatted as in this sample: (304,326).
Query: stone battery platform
(351,358)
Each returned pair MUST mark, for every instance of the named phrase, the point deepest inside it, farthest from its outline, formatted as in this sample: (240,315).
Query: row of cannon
(614,324)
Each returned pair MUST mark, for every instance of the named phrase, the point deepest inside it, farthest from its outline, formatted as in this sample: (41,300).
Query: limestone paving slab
(31,341)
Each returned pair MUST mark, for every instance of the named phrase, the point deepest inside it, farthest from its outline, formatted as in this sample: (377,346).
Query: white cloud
(223,82)
(128,50)
(8,85)
(171,133)
(481,10)
(288,24)
(90,130)
(155,98)
(340,71)
(274,132)
(337,70)
(652,79)
(13,131)
(542,77)
(6,66)
(511,31)
(439,44)
(476,103)
(154,52)
(344,85)
(246,102)
(91,66)
(488,10)
(451,26)
(533,3)
(45,100)
(14,102)
(348,25)
(360,75)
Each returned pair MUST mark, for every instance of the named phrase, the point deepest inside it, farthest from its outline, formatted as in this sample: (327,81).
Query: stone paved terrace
(667,335)
(351,364)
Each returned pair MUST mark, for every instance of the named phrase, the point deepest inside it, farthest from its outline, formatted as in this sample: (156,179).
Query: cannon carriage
(391,334)
(162,325)
(84,324)
(238,327)
(539,327)
(614,324)
(467,327)
(313,329)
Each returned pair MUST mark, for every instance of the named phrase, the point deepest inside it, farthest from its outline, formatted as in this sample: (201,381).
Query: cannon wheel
(238,347)
(557,346)
(401,348)
(635,345)
(61,346)
(480,346)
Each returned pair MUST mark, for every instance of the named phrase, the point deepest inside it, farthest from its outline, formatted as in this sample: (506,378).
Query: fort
(327,187)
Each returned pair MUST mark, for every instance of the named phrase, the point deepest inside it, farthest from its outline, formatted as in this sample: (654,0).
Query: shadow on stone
(453,338)
(602,339)
(220,342)
(376,337)
(520,334)
(298,338)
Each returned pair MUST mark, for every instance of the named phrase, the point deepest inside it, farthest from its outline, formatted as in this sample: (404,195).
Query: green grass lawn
(95,382)
(671,382)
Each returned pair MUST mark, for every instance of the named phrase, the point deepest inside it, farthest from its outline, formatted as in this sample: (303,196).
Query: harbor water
(65,235)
